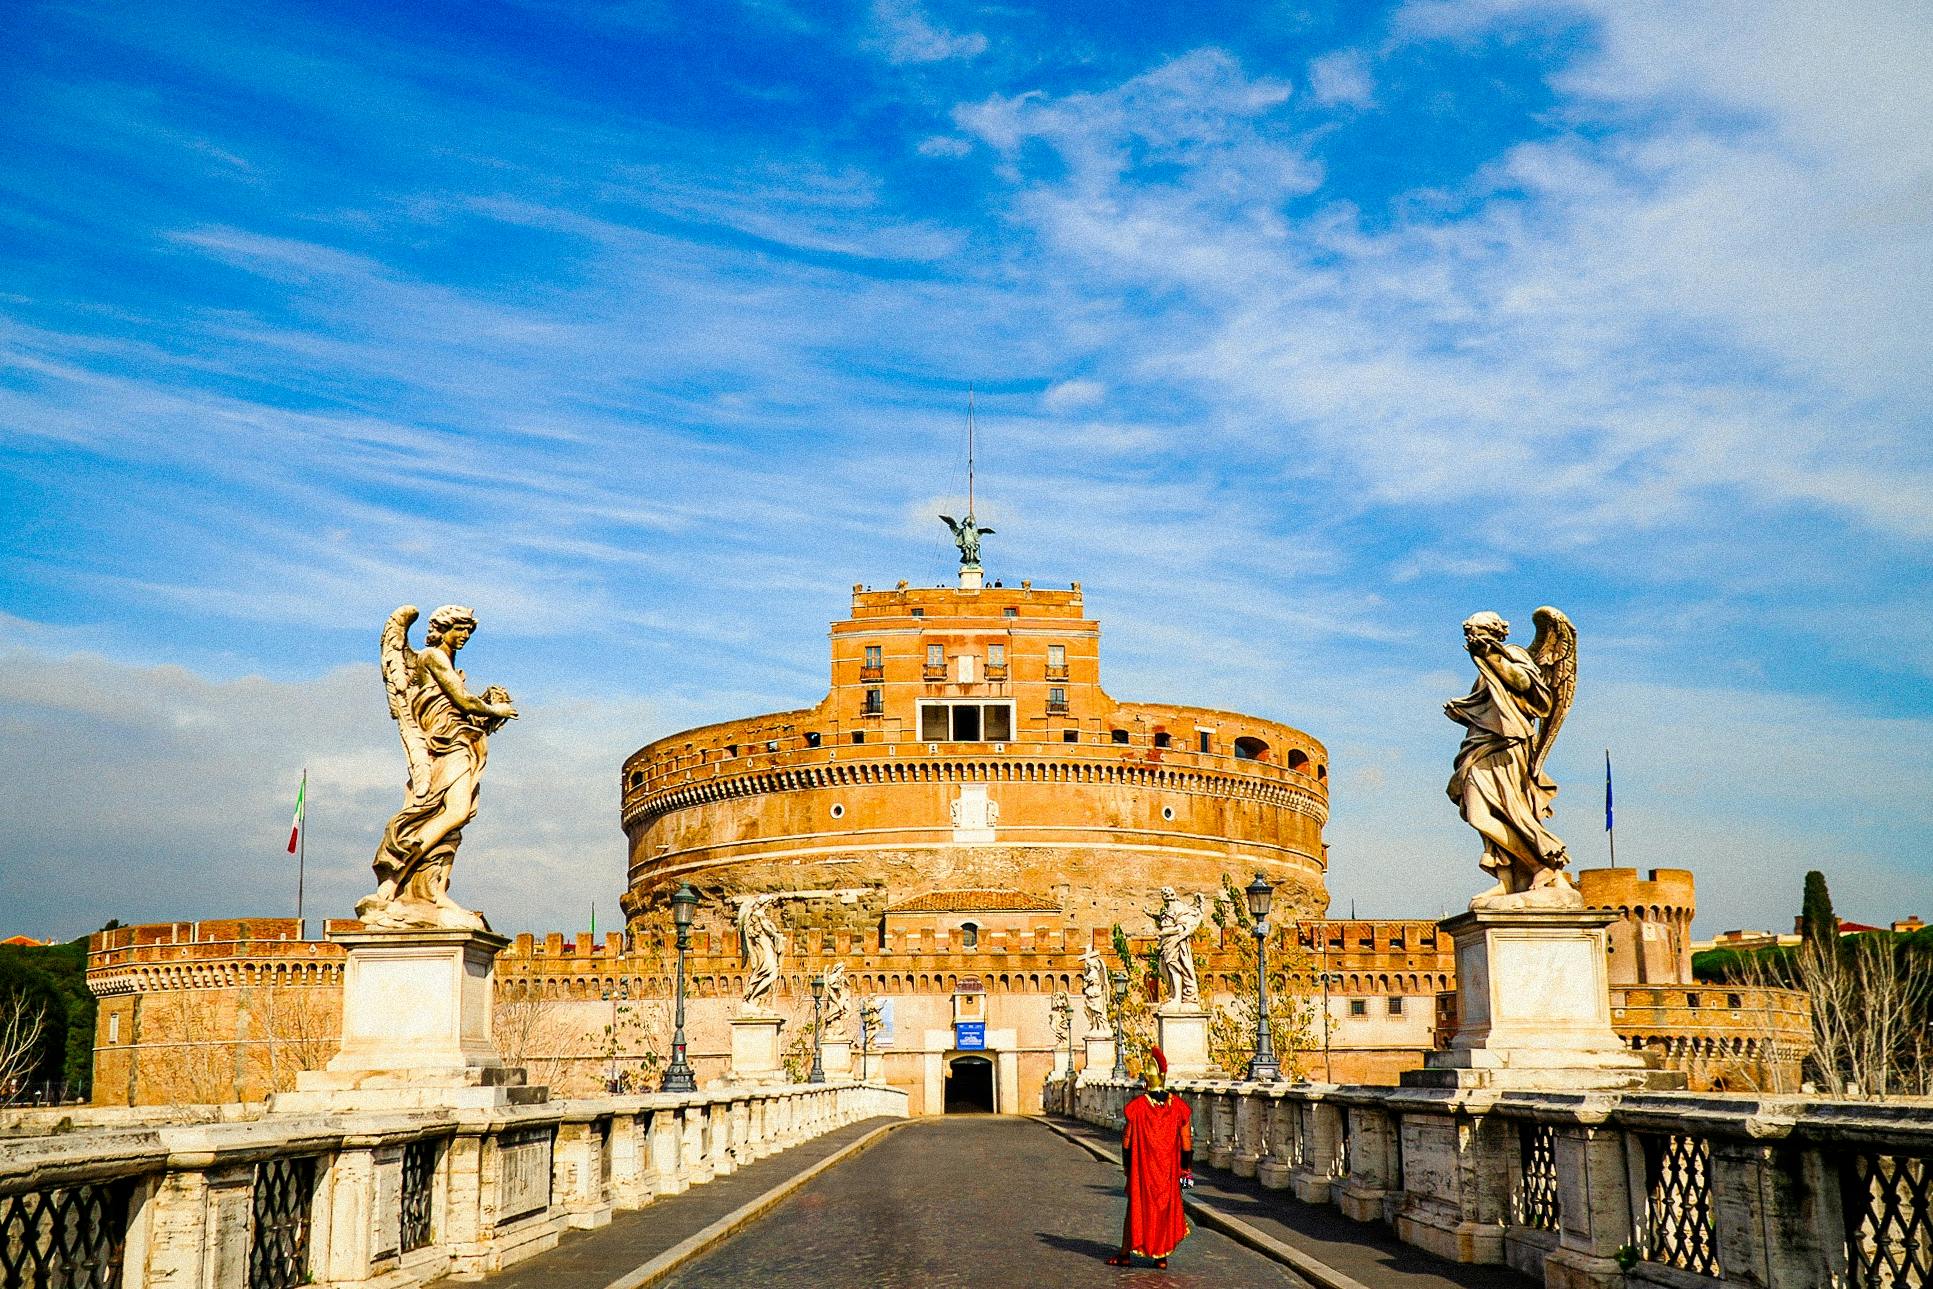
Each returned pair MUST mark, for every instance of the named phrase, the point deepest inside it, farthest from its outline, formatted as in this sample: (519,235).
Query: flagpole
(1610,828)
(302,851)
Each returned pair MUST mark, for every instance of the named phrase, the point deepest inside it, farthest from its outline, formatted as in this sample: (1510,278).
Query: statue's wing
(986,532)
(950,522)
(1555,652)
(398,661)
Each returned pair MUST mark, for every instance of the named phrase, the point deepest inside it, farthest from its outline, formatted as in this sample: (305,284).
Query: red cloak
(1156,1134)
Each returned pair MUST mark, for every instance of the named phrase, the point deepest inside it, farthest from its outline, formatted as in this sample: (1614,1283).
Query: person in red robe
(1157,1152)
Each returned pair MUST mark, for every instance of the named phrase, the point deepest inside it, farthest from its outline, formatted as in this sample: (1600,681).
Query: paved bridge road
(960,1203)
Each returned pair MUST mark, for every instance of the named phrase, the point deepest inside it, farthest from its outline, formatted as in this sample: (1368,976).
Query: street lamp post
(1263,1069)
(614,996)
(818,1074)
(1064,1020)
(1120,982)
(678,1076)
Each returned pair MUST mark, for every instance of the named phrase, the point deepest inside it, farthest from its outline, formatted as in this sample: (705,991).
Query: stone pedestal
(971,577)
(1100,1057)
(1534,1008)
(835,1057)
(1182,1035)
(416,1028)
(756,1055)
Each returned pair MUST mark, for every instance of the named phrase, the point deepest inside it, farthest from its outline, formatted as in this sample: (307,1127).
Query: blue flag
(1607,789)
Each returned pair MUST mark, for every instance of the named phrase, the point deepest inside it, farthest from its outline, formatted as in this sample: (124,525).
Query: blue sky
(645,329)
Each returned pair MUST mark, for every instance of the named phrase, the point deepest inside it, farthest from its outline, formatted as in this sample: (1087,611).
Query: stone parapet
(390,1199)
(1595,1190)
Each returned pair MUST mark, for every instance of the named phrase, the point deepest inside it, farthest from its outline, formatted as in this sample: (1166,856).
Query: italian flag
(295,824)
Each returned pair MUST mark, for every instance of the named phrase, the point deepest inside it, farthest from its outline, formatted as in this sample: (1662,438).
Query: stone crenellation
(182,989)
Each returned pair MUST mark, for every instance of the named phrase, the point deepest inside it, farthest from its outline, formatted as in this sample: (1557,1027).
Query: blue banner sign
(970,1035)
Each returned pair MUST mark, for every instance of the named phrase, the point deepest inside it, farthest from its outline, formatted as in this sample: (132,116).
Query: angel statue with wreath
(1512,715)
(444,728)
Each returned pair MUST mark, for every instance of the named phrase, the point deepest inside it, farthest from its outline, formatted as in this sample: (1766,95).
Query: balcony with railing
(875,671)
(933,671)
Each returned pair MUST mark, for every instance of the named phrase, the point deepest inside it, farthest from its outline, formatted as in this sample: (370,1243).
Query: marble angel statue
(1176,922)
(445,729)
(837,1008)
(1512,716)
(1094,990)
(759,944)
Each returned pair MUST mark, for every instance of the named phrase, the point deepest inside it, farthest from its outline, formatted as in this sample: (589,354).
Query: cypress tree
(1818,922)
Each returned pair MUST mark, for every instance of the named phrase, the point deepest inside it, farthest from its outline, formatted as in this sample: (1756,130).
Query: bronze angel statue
(967,535)
(444,728)
(1513,713)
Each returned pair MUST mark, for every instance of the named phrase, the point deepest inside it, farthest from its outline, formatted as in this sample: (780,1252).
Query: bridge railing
(1592,1189)
(403,1198)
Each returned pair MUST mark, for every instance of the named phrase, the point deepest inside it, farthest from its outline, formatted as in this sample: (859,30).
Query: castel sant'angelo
(967,744)
(964,814)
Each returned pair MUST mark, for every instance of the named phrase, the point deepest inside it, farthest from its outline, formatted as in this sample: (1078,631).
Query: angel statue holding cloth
(1511,716)
(444,728)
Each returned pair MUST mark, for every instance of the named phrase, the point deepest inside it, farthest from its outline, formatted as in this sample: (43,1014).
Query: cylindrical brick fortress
(967,743)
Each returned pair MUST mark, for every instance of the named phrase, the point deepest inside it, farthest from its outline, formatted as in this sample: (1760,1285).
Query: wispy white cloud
(1342,78)
(905,34)
(1073,395)
(944,145)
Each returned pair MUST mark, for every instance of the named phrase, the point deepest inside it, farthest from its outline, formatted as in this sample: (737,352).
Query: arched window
(970,935)
(1250,748)
(1298,760)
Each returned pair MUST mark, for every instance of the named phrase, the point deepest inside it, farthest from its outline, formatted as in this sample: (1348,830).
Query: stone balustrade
(390,1199)
(1589,1189)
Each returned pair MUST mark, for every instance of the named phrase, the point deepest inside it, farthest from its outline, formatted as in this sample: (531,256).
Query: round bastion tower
(967,746)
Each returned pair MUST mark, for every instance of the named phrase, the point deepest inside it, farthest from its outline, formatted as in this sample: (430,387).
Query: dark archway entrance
(969,1085)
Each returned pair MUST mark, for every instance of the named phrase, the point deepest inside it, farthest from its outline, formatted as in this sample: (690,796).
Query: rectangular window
(1396,1005)
(933,723)
(1057,656)
(1056,699)
(873,656)
(966,722)
(919,613)
(1119,736)
(114,1028)
(1010,611)
(859,736)
(1162,740)
(1070,736)
(1204,741)
(996,655)
(1359,1007)
(875,702)
(936,655)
